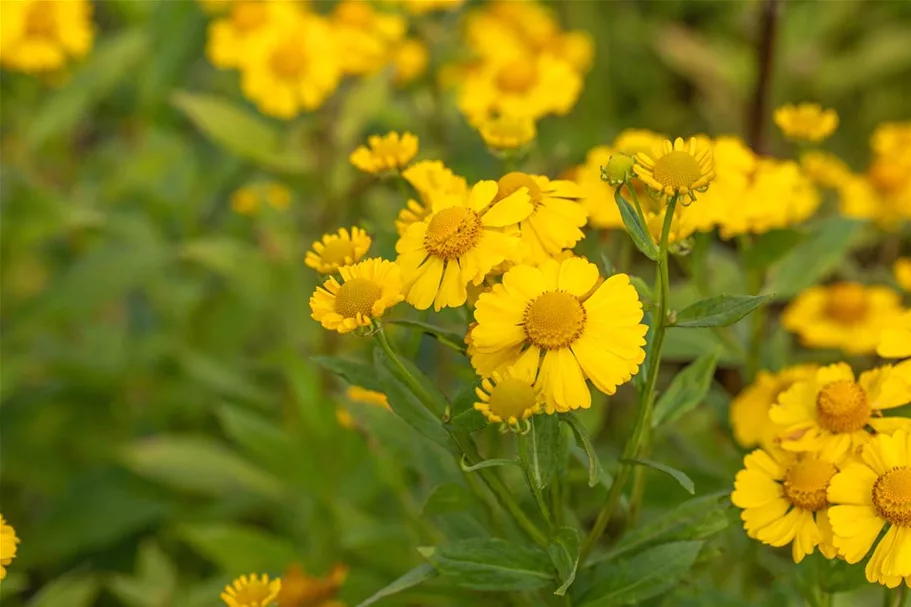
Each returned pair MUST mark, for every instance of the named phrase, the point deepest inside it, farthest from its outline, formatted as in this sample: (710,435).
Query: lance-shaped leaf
(718,311)
(491,564)
(678,475)
(543,449)
(594,464)
(686,391)
(411,579)
(634,226)
(564,552)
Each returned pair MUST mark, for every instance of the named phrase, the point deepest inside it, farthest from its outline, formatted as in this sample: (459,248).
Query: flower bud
(619,169)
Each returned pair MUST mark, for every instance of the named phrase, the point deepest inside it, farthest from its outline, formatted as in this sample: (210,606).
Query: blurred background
(163,428)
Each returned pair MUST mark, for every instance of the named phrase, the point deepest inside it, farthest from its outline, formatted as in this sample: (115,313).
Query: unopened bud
(618,170)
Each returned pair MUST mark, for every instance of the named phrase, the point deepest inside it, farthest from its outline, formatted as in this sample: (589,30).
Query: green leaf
(645,575)
(72,590)
(223,379)
(686,391)
(543,449)
(449,338)
(769,247)
(354,372)
(447,498)
(259,438)
(718,311)
(239,132)
(812,260)
(237,548)
(645,291)
(419,574)
(489,463)
(155,582)
(637,231)
(564,553)
(491,564)
(594,464)
(465,418)
(685,481)
(409,371)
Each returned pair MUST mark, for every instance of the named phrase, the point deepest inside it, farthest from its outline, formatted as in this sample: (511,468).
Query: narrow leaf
(72,590)
(719,311)
(543,448)
(449,338)
(564,553)
(685,481)
(491,564)
(239,548)
(686,391)
(447,498)
(637,231)
(594,464)
(464,417)
(488,463)
(354,372)
(770,247)
(411,579)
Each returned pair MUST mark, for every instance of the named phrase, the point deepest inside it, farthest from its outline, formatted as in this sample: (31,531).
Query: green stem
(640,438)
(522,448)
(755,279)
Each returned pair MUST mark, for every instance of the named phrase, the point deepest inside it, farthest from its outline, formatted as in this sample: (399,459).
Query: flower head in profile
(678,168)
(783,498)
(510,398)
(505,132)
(251,591)
(302,590)
(562,317)
(806,121)
(336,250)
(367,290)
(431,179)
(895,340)
(39,36)
(869,495)
(834,411)
(390,152)
(460,242)
(9,544)
(844,315)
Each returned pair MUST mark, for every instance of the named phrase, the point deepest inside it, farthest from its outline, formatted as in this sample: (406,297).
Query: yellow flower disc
(249,16)
(357,297)
(554,320)
(513,182)
(517,76)
(843,407)
(892,496)
(337,252)
(847,303)
(806,482)
(288,60)
(677,170)
(511,398)
(452,232)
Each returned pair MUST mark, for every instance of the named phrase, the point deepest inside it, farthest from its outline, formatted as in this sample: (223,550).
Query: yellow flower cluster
(9,544)
(40,36)
(249,199)
(294,589)
(806,121)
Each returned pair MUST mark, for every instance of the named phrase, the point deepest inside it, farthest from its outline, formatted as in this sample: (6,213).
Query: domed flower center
(806,482)
(517,76)
(338,252)
(677,169)
(248,16)
(887,177)
(843,407)
(40,22)
(892,496)
(511,398)
(289,60)
(513,182)
(357,296)
(452,232)
(359,15)
(847,303)
(553,320)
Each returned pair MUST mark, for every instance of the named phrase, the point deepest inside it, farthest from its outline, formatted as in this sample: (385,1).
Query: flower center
(255,593)
(357,296)
(356,14)
(513,182)
(555,319)
(842,407)
(248,16)
(847,303)
(288,60)
(892,496)
(806,482)
(511,398)
(338,251)
(677,169)
(40,21)
(517,76)
(452,232)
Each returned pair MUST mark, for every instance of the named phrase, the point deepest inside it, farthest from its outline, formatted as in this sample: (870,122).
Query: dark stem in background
(765,58)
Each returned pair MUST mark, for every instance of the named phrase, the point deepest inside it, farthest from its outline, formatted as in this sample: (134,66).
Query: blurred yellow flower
(39,36)
(509,398)
(248,199)
(846,315)
(835,414)
(229,36)
(334,251)
(389,152)
(251,591)
(366,37)
(368,289)
(783,497)
(368,397)
(806,121)
(825,169)
(892,140)
(506,132)
(245,201)
(302,590)
(9,544)
(410,61)
(459,243)
(431,179)
(883,194)
(895,340)
(678,168)
(562,316)
(902,271)
(277,196)
(421,7)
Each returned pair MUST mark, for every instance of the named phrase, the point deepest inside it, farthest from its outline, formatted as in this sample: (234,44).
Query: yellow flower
(336,250)
(750,409)
(846,315)
(430,178)
(510,397)
(390,152)
(902,271)
(459,243)
(892,140)
(291,67)
(368,397)
(367,38)
(560,315)
(302,590)
(783,497)
(831,412)
(39,36)
(825,169)
(251,591)
(882,194)
(506,132)
(677,168)
(244,201)
(248,199)
(421,7)
(230,36)
(871,494)
(895,340)
(410,61)
(368,289)
(277,196)
(555,222)
(806,121)
(9,543)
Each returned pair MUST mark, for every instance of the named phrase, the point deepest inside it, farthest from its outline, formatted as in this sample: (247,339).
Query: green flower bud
(619,169)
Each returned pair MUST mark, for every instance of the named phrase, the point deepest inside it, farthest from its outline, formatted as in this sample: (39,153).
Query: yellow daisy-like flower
(251,591)
(9,544)
(368,397)
(390,152)
(366,37)
(750,409)
(895,340)
(229,36)
(505,132)
(677,168)
(410,61)
(302,590)
(892,140)
(825,169)
(847,315)
(367,290)
(555,222)
(880,194)
(510,397)
(431,179)
(872,494)
(561,316)
(806,121)
(336,250)
(39,36)
(902,271)
(783,497)
(460,242)
(832,411)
